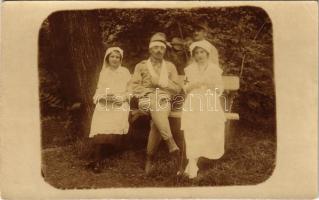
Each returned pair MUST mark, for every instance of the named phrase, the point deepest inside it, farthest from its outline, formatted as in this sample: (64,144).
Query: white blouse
(113,81)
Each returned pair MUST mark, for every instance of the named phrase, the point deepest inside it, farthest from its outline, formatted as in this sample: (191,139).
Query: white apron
(110,118)
(203,119)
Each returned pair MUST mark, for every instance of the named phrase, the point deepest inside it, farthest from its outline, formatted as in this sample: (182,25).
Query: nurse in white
(110,118)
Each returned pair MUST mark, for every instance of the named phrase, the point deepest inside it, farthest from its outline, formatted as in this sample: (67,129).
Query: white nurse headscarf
(207,46)
(109,51)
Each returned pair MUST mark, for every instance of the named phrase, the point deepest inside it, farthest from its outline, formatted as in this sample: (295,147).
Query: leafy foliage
(242,35)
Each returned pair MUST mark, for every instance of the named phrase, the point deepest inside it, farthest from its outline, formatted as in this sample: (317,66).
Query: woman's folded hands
(115,98)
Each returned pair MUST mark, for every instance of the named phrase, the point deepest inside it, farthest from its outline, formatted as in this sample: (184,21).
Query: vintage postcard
(159,99)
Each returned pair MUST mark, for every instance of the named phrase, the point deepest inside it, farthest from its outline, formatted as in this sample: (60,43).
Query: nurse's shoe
(191,168)
(182,167)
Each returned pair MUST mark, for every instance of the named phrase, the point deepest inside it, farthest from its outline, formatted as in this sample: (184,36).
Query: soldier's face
(158,52)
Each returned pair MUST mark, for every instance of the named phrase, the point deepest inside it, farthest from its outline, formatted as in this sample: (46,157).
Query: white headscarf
(109,51)
(213,70)
(207,46)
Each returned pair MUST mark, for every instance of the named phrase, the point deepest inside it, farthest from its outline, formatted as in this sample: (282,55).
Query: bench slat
(231,82)
(229,116)
(232,116)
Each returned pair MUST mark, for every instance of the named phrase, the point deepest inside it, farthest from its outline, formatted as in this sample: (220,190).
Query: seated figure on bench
(154,82)
(202,106)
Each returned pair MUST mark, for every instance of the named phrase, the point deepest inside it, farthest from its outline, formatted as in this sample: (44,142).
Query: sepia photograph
(157,97)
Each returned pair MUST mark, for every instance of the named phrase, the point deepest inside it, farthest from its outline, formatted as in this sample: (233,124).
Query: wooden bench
(231,84)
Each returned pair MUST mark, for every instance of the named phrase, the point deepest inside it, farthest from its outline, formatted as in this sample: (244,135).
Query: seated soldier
(154,82)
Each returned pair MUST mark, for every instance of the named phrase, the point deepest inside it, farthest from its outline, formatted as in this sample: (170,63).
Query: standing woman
(203,119)
(110,118)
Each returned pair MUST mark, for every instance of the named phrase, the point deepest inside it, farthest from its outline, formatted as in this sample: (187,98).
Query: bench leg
(228,135)
(180,141)
(178,135)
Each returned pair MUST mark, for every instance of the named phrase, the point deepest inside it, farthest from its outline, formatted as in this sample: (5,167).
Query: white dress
(111,118)
(203,119)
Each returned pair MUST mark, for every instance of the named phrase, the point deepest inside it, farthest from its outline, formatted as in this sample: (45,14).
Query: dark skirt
(105,145)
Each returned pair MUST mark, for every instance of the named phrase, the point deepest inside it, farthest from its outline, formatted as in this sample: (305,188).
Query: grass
(249,159)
